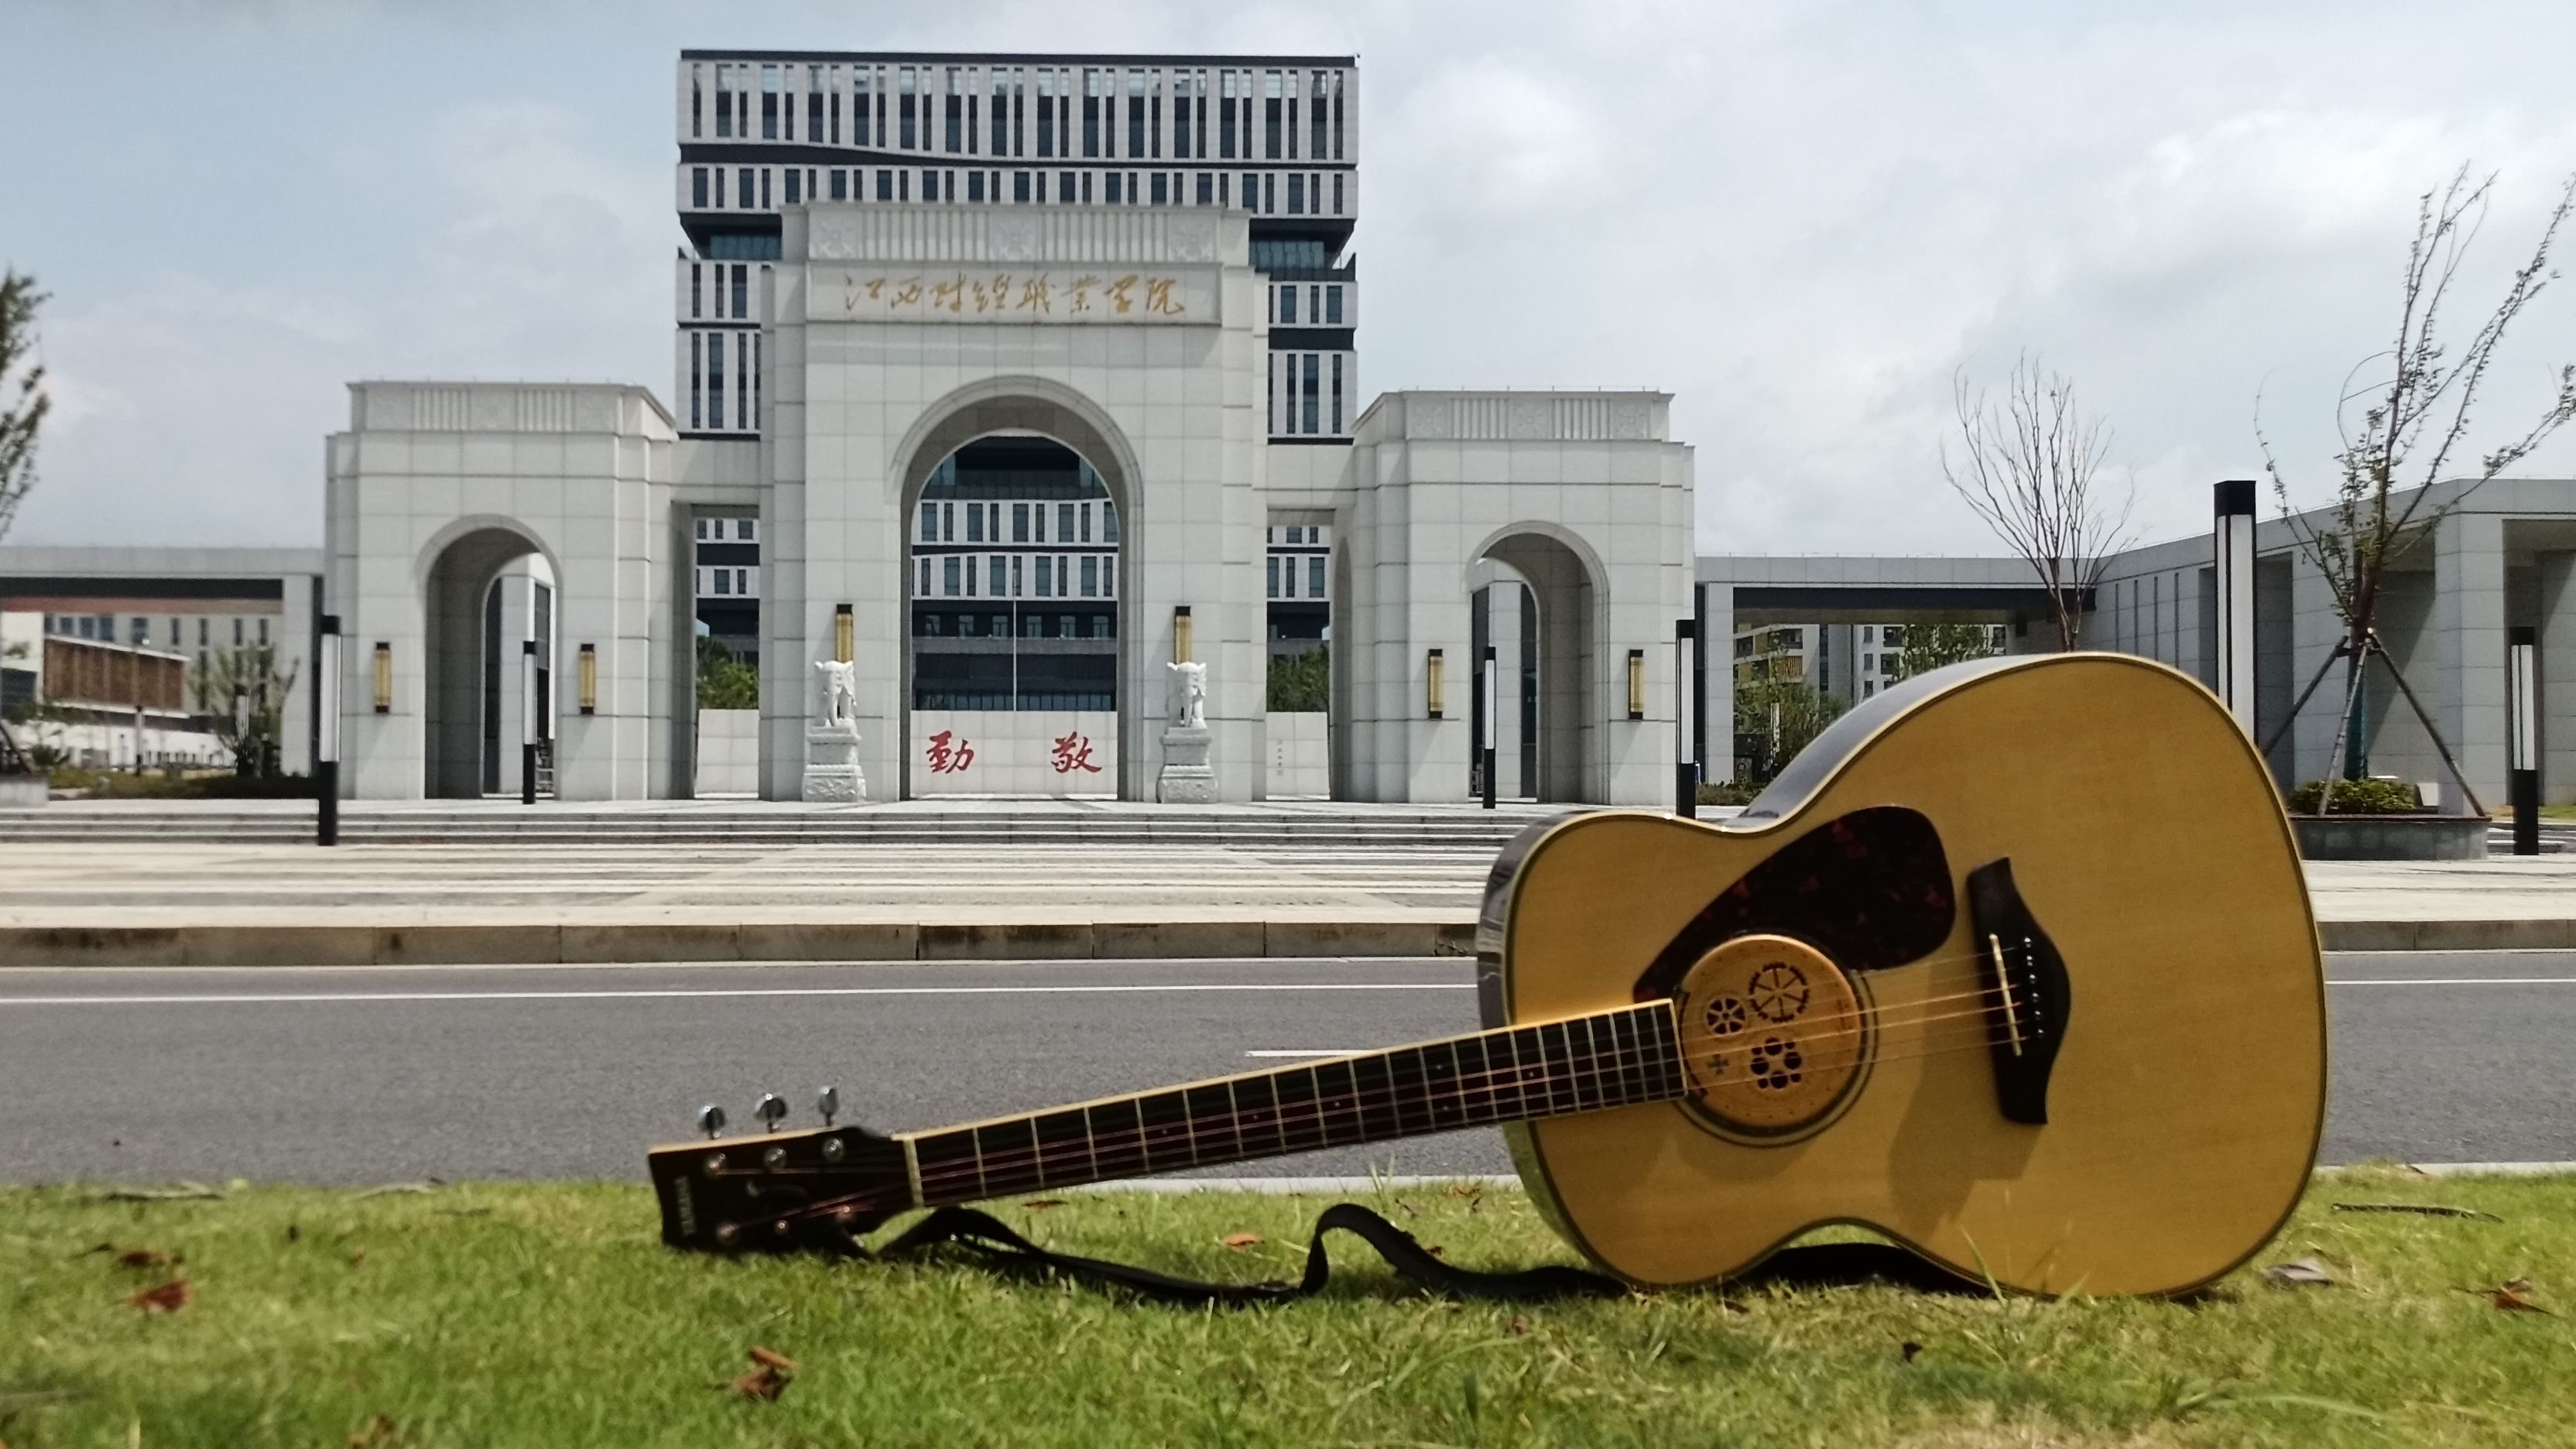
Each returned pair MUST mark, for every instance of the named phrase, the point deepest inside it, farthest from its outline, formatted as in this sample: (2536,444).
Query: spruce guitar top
(2014,965)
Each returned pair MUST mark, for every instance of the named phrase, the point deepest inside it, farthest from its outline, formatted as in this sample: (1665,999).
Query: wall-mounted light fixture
(1435,693)
(844,633)
(1636,684)
(1182,643)
(384,676)
(586,678)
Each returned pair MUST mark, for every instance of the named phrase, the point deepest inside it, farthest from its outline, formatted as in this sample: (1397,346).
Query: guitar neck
(1584,1064)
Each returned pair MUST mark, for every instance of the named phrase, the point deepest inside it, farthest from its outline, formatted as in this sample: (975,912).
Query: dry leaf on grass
(2513,1295)
(771,1373)
(170,1297)
(379,1431)
(2299,1273)
(1041,1204)
(1240,1241)
(1908,1349)
(1519,1324)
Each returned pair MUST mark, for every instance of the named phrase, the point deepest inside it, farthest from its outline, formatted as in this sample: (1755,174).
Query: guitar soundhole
(1775,1038)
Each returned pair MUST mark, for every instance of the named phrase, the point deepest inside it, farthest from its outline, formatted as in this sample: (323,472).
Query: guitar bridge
(2028,1001)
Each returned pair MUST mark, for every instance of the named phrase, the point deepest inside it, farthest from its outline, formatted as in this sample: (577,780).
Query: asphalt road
(384,1075)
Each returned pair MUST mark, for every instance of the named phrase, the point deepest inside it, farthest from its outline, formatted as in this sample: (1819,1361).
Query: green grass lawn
(491,1314)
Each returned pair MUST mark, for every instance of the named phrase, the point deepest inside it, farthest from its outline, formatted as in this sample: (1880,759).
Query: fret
(1373,1087)
(1407,1076)
(1591,1093)
(1623,1040)
(1299,1116)
(1529,1058)
(947,1164)
(1005,1154)
(1337,1096)
(1477,1086)
(1521,1040)
(1119,1137)
(1256,1101)
(1212,1134)
(1440,1083)
(1668,1054)
(1064,1147)
(1163,1117)
(1555,1057)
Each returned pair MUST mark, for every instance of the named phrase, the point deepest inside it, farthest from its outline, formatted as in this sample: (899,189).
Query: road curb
(540,943)
(614,942)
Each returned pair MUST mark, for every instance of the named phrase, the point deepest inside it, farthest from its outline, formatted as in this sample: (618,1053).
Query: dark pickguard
(1870,889)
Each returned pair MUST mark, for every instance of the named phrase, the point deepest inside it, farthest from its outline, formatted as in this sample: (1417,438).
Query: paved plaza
(119,884)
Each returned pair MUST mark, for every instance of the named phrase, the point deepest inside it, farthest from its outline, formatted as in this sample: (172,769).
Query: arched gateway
(979,386)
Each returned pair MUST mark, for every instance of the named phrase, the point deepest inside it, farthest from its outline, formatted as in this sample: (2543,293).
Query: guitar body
(1833,958)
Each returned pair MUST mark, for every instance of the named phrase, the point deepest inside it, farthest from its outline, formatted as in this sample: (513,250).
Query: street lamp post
(1685,760)
(2522,645)
(326,748)
(1492,699)
(528,717)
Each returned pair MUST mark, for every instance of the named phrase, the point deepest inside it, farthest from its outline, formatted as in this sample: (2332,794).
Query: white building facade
(1011,381)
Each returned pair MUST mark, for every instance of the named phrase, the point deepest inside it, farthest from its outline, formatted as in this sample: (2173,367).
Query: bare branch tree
(2031,467)
(2413,422)
(23,414)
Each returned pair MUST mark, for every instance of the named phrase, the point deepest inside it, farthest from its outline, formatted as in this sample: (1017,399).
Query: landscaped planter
(2391,837)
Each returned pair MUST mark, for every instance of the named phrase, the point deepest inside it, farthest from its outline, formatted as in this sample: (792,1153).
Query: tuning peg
(771,1111)
(828,1102)
(711,1120)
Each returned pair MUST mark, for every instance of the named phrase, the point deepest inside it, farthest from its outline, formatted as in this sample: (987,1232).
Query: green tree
(22,414)
(1777,718)
(1927,647)
(725,682)
(1299,683)
(252,728)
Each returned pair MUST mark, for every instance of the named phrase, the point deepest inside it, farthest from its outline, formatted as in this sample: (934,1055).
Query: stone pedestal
(1186,778)
(832,774)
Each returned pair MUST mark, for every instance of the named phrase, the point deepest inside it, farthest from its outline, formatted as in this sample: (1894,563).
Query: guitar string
(1317,1112)
(1491,1079)
(1456,1088)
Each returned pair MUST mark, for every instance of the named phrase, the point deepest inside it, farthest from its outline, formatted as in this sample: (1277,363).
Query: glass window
(1207,189)
(1109,576)
(1333,306)
(1314,364)
(1296,194)
(840,184)
(1090,575)
(974,524)
(929,185)
(1019,523)
(794,176)
(1337,192)
(724,582)
(105,628)
(201,631)
(885,184)
(1001,579)
(948,579)
(1314,576)
(974,186)
(1086,523)
(1109,184)
(746,529)
(924,590)
(698,187)
(1161,195)
(929,522)
(1108,523)
(1274,576)
(744,183)
(1287,307)
(1064,523)
(1046,563)
(1064,186)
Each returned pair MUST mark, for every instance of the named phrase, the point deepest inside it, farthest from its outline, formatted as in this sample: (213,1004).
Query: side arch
(1564,576)
(453,574)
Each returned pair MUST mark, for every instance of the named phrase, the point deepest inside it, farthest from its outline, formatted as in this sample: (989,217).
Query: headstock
(778,1192)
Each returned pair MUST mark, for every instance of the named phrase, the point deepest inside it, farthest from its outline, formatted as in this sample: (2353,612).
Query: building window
(949,577)
(1287,308)
(1046,563)
(723,584)
(1109,525)
(746,529)
(744,184)
(698,187)
(201,631)
(1337,394)
(840,184)
(1019,523)
(1064,523)
(1296,194)
(1314,362)
(885,184)
(793,177)
(110,633)
(1314,576)
(1337,185)
(1333,306)
(1090,575)
(1274,576)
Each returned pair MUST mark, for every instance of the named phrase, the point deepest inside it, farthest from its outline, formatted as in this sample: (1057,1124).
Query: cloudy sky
(1800,219)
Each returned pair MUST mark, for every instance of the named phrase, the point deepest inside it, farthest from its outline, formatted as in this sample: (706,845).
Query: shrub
(2357,797)
(1726,792)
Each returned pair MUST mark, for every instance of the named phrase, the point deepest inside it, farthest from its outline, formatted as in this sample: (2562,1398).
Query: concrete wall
(728,752)
(1300,761)
(1003,752)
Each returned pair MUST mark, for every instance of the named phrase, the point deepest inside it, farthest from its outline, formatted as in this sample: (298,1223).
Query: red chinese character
(1073,752)
(948,759)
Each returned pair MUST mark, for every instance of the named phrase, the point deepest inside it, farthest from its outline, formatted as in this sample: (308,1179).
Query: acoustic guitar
(2013,965)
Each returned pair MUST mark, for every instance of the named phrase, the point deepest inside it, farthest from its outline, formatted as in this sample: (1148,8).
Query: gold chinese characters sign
(997,294)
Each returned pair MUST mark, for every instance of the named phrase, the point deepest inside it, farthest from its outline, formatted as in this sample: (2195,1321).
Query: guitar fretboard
(1587,1064)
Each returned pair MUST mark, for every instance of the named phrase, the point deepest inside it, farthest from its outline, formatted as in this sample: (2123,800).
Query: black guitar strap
(994,1245)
